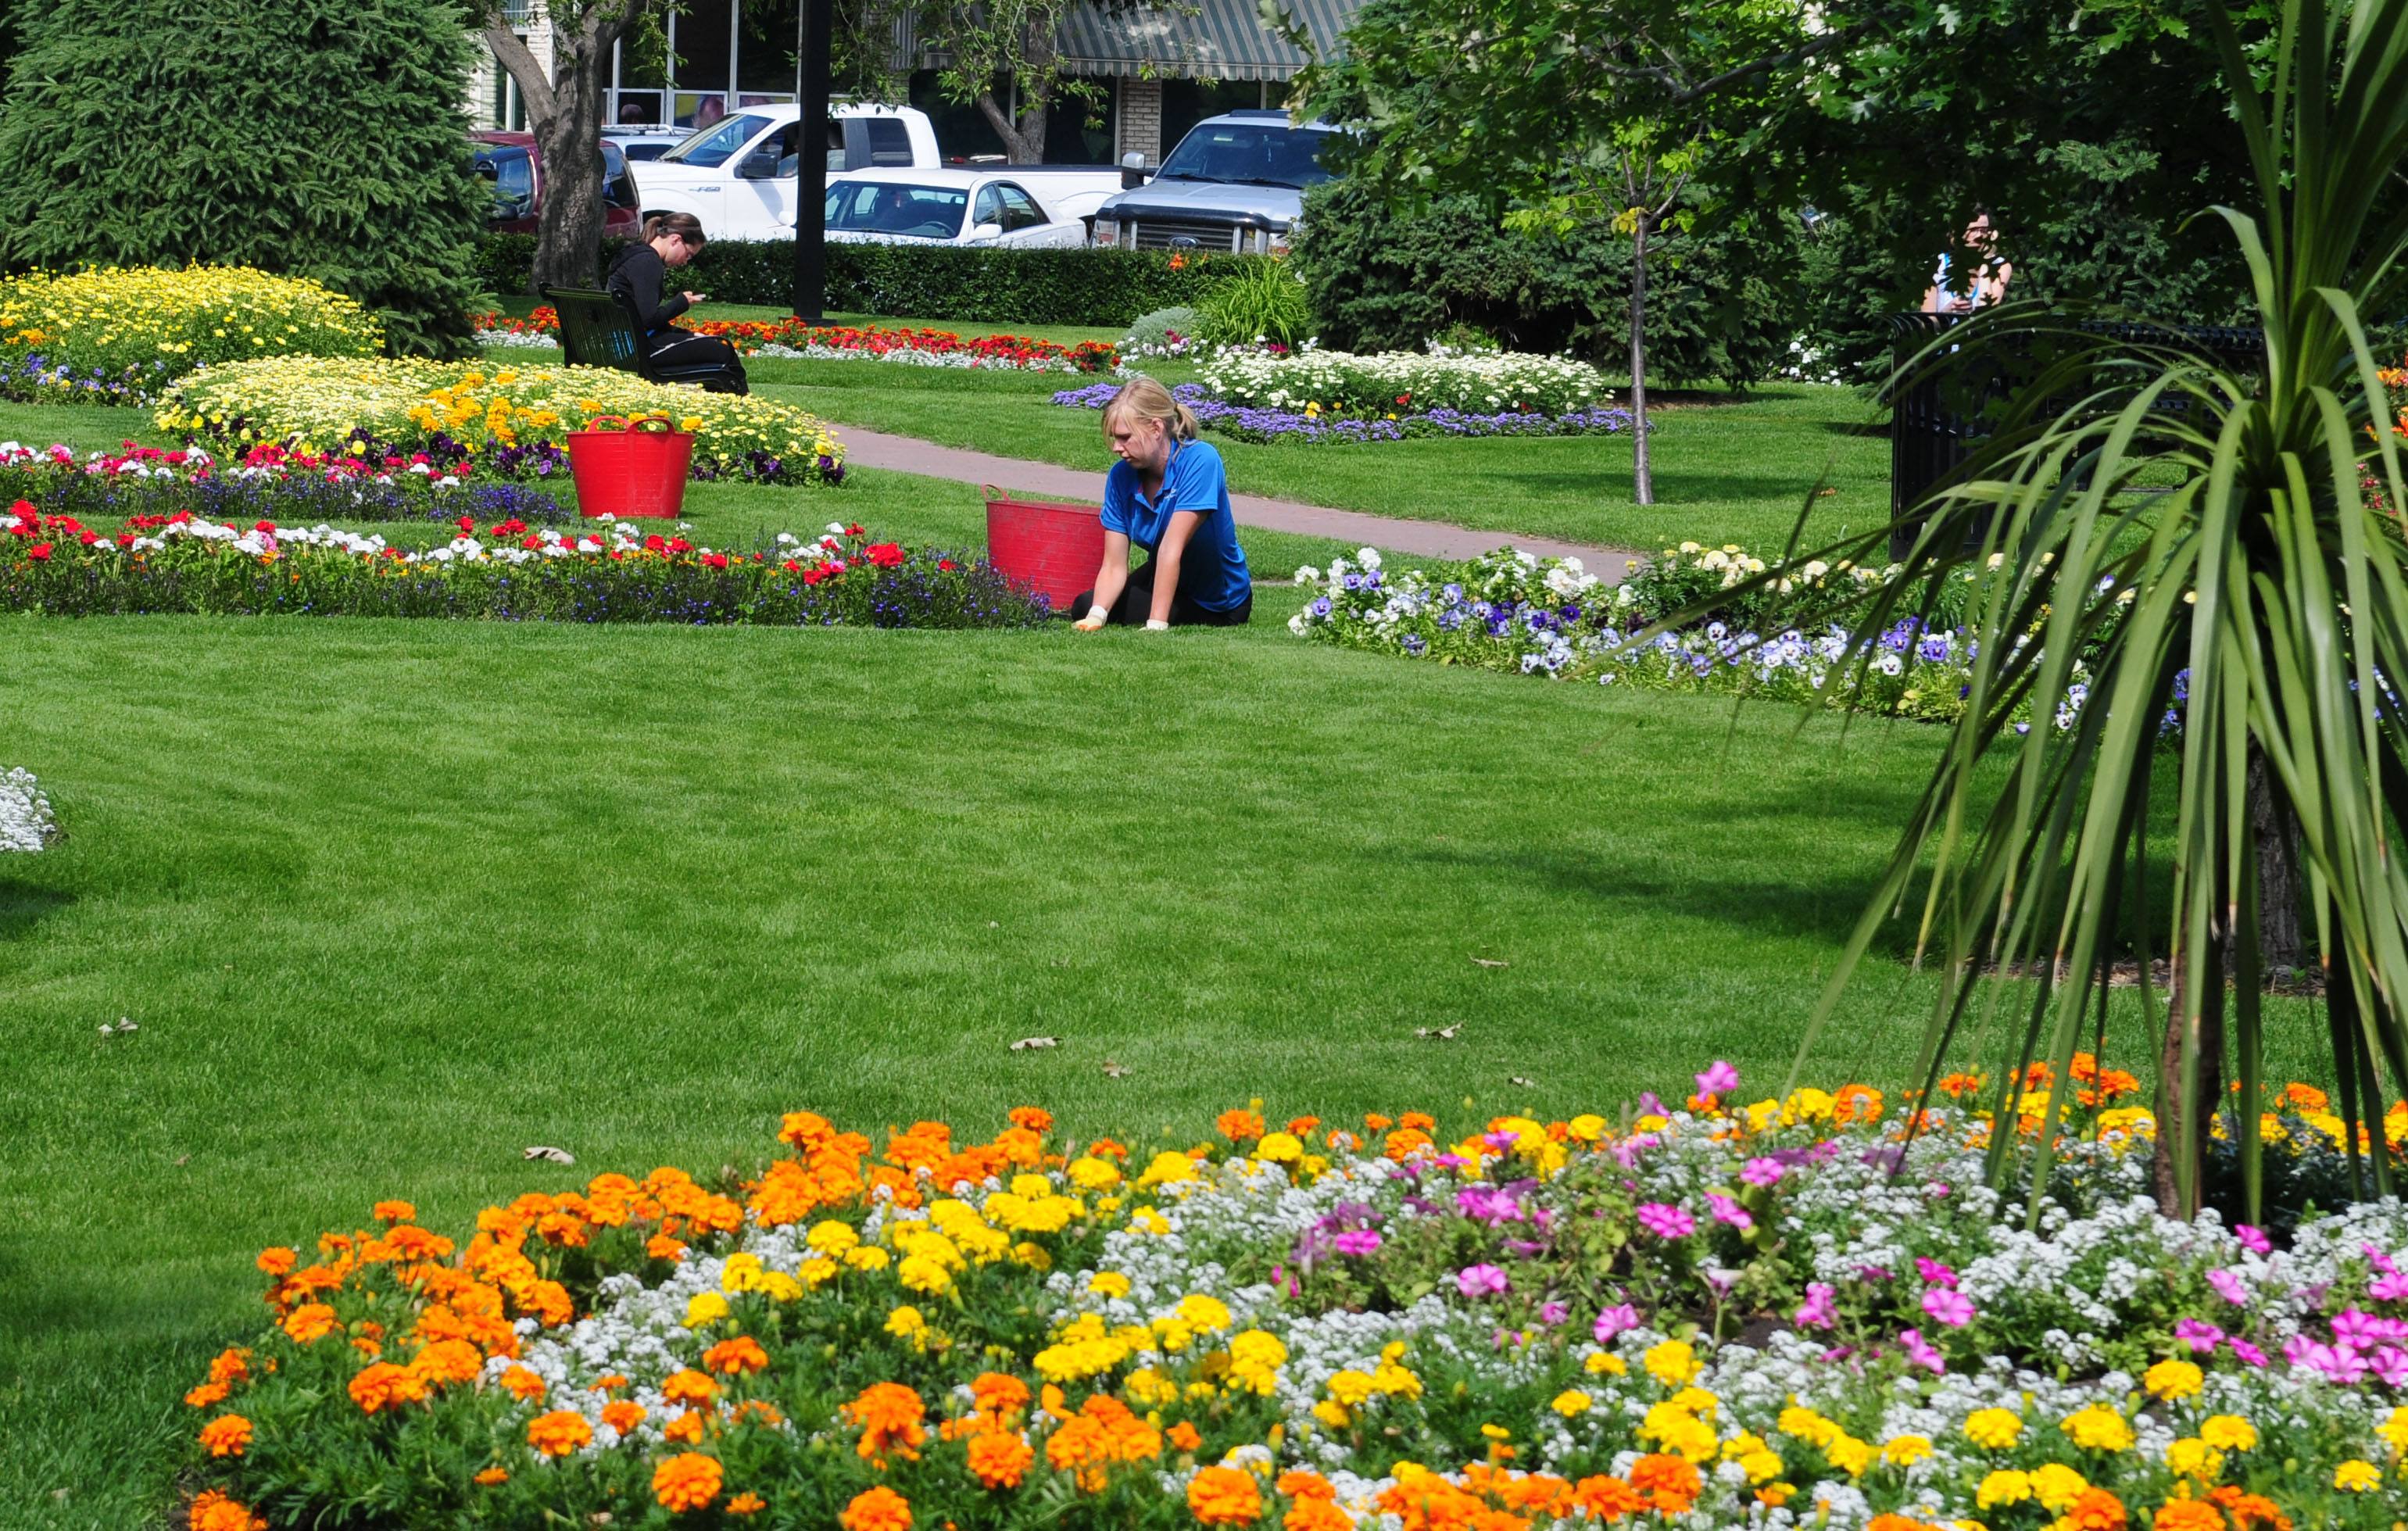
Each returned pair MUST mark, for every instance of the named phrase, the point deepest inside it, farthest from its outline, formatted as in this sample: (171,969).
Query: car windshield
(1249,154)
(711,146)
(912,212)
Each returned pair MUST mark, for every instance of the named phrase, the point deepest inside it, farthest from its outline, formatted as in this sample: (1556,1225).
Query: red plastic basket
(1051,546)
(635,472)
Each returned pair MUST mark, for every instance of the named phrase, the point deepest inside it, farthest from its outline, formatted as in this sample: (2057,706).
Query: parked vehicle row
(1235,184)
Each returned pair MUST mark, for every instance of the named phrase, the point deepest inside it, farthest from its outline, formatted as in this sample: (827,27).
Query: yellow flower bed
(506,416)
(121,334)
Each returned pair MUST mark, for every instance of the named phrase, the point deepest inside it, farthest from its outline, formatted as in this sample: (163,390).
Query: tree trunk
(1022,141)
(564,113)
(1642,479)
(2191,1020)
(2282,938)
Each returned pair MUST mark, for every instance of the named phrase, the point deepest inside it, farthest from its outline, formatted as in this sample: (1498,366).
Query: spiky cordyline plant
(2266,579)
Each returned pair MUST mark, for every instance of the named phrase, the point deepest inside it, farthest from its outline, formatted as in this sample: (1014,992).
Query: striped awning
(1220,39)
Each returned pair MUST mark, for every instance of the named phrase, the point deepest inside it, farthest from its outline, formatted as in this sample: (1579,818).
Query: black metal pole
(817,20)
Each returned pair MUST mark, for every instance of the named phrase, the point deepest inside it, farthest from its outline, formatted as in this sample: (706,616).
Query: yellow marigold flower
(2393,1430)
(1169,1167)
(1605,1363)
(1993,1430)
(1092,1174)
(1570,1402)
(2358,1477)
(1761,1467)
(919,1273)
(1350,1387)
(2097,1428)
(832,1239)
(1805,1424)
(2192,1457)
(1279,1148)
(2056,1486)
(905,1322)
(867,1257)
(1905,1450)
(1671,1363)
(2005,1486)
(2173,1379)
(1108,1284)
(1849,1455)
(705,1308)
(1332,1413)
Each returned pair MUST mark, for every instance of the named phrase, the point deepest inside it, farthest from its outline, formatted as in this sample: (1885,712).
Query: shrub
(1400,382)
(501,417)
(611,572)
(1264,302)
(316,137)
(119,337)
(982,286)
(1162,334)
(1383,279)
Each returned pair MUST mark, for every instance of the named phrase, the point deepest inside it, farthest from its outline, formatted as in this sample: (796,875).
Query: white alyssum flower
(26,821)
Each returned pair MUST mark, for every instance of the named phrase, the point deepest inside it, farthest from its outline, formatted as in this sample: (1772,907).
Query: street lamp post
(816,19)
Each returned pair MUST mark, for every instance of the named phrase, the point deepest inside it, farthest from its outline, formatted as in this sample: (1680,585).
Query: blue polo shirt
(1212,571)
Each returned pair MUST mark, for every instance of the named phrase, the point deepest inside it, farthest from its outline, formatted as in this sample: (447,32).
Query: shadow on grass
(24,904)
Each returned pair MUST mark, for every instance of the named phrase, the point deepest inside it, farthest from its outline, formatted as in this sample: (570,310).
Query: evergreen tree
(324,138)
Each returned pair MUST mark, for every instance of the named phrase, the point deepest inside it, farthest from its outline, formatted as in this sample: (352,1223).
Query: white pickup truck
(739,176)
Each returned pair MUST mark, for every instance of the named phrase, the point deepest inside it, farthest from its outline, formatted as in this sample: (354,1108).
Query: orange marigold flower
(393,1211)
(549,1301)
(999,1393)
(228,1435)
(231,1364)
(1374,1121)
(2190,1515)
(449,1361)
(2095,1510)
(686,1429)
(1106,1148)
(385,1386)
(309,1322)
(758,1411)
(889,1416)
(747,1503)
(807,1130)
(1418,1122)
(1239,1126)
(623,1414)
(1000,1458)
(2250,1509)
(1184,1436)
(1856,1103)
(207,1394)
(522,1384)
(1899,1522)
(741,1353)
(662,1247)
(1608,1498)
(2307,1098)
(559,1432)
(687,1481)
(1304,1483)
(1225,1497)
(1032,1118)
(1315,1515)
(879,1508)
(1404,1141)
(690,1386)
(491,1476)
(213,1511)
(1670,1484)
(278,1261)
(1303,1127)
(1959,1085)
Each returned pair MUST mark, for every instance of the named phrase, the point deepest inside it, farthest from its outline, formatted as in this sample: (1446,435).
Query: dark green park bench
(597,328)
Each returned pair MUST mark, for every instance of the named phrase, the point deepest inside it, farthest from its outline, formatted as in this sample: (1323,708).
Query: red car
(511,162)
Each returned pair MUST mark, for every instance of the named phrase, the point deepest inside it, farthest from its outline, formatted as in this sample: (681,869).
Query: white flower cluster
(1404,381)
(605,536)
(26,821)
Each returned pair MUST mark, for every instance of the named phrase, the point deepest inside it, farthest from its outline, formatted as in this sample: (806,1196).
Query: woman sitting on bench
(1168,496)
(642,271)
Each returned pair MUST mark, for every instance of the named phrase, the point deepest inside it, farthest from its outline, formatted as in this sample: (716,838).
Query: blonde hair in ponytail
(1142,398)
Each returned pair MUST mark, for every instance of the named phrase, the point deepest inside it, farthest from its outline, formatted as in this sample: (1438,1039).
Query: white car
(1023,206)
(740,176)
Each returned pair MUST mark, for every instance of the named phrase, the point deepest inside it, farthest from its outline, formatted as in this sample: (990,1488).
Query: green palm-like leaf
(2265,571)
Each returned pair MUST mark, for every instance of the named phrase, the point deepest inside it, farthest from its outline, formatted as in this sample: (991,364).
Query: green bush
(985,286)
(1383,279)
(318,139)
(1263,303)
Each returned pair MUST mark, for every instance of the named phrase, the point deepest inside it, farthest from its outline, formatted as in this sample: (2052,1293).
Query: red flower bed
(876,341)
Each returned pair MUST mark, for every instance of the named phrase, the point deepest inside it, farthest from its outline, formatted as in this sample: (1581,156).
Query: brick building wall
(1137,127)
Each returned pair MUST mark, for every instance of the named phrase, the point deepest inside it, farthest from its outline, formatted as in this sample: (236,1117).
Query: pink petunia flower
(1666,1221)
(1720,1078)
(1949,1307)
(1728,1210)
(1819,1311)
(1614,1320)
(1763,1172)
(1481,1280)
(1921,1352)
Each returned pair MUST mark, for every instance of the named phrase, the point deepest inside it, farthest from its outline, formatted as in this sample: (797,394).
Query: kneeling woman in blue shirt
(1168,496)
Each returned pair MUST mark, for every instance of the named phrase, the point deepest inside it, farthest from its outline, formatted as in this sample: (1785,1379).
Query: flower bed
(26,821)
(1311,425)
(799,337)
(1509,610)
(268,482)
(1401,382)
(509,572)
(119,335)
(520,414)
(1323,1327)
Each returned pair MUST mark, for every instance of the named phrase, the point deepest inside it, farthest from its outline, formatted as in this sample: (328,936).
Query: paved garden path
(1427,539)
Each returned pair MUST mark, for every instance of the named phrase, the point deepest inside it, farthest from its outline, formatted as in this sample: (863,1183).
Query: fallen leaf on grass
(1491,961)
(1437,1033)
(1027,1044)
(557,1155)
(1115,1071)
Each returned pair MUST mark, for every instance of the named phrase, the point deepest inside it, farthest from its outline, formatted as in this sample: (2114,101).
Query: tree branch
(512,53)
(1770,61)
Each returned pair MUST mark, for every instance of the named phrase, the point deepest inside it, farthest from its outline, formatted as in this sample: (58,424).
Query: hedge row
(1107,287)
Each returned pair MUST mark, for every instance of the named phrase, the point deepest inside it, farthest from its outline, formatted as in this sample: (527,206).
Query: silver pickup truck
(1235,184)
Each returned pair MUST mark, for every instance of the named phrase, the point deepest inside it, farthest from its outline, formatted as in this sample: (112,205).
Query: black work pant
(1135,608)
(693,351)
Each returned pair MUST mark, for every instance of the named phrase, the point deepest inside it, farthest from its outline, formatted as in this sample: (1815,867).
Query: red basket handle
(649,424)
(992,492)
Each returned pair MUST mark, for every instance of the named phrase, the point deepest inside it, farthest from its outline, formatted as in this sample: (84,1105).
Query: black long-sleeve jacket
(640,274)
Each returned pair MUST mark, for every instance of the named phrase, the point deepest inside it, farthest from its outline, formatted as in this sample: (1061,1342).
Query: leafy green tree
(320,137)
(2263,596)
